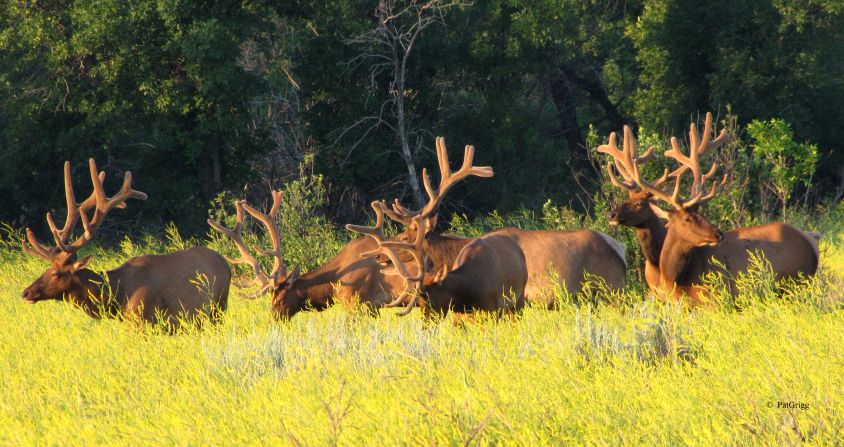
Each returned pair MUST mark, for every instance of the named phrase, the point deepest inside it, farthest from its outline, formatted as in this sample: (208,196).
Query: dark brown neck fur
(445,248)
(651,237)
(92,294)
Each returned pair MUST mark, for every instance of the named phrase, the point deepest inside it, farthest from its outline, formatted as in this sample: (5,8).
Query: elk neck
(675,260)
(651,237)
(445,248)
(456,292)
(93,295)
(316,286)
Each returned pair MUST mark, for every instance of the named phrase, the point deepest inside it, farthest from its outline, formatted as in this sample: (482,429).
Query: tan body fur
(790,251)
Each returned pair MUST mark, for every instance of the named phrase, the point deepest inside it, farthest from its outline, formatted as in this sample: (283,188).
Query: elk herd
(497,272)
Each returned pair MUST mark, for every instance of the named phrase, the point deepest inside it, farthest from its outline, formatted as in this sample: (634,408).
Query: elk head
(68,277)
(284,303)
(425,219)
(684,220)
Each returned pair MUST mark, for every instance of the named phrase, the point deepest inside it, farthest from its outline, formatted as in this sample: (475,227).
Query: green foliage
(787,163)
(202,98)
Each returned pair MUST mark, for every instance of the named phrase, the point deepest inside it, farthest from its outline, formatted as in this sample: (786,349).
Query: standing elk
(569,255)
(687,242)
(181,284)
(489,274)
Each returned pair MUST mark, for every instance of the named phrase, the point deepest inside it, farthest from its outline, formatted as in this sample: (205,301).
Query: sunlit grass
(640,373)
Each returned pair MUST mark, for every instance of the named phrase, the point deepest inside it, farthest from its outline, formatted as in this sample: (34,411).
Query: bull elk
(678,253)
(489,274)
(185,283)
(570,255)
(345,276)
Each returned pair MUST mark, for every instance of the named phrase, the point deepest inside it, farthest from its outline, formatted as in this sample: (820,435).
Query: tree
(388,48)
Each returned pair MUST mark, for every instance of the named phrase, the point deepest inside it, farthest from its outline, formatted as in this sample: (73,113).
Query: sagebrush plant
(616,369)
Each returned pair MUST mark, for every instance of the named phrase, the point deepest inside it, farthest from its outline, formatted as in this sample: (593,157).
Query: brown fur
(489,274)
(172,285)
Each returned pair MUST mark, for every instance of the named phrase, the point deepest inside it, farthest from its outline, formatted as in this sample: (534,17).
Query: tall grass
(620,370)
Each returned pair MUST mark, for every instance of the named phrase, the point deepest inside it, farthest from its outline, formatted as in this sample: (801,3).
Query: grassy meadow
(634,373)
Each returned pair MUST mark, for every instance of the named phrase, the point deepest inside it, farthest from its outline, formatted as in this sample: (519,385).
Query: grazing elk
(184,283)
(570,255)
(347,275)
(489,273)
(687,242)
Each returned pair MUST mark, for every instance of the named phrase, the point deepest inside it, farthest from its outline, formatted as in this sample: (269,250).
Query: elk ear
(661,213)
(293,276)
(81,263)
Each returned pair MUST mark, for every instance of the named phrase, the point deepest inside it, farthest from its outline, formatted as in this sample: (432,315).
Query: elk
(570,255)
(181,284)
(489,273)
(687,242)
(347,275)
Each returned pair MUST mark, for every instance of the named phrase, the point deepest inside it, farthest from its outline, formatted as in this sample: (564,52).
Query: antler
(279,272)
(447,179)
(388,248)
(102,206)
(697,147)
(628,166)
(625,161)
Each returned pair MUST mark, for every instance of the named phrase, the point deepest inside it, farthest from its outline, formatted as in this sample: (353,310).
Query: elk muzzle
(32,294)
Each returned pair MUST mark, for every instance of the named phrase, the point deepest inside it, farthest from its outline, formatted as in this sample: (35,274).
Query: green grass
(641,374)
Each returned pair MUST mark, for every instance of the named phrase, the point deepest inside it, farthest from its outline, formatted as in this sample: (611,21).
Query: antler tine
(448,178)
(279,273)
(623,159)
(102,204)
(399,213)
(36,249)
(654,188)
(60,236)
(419,258)
(620,162)
(245,256)
(700,199)
(706,142)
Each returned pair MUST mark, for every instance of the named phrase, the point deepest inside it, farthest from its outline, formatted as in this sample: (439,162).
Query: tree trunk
(592,85)
(209,174)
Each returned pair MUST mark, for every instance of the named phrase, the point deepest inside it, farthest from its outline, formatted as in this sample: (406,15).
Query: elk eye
(687,219)
(55,274)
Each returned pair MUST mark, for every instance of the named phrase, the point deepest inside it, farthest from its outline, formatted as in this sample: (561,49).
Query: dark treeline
(197,98)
